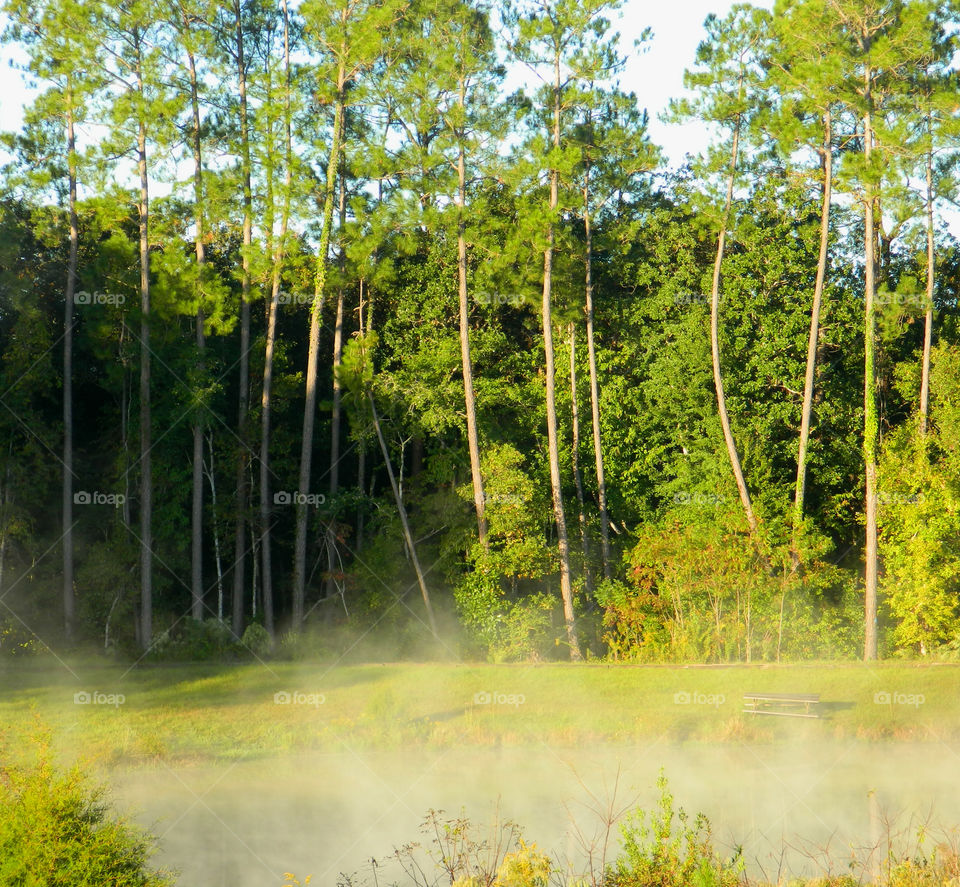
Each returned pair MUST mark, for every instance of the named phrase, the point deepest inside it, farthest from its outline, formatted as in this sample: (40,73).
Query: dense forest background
(310,332)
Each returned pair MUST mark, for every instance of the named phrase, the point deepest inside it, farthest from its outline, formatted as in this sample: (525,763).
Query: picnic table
(790,705)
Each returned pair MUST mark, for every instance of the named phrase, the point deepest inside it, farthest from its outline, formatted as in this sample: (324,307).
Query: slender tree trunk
(68,595)
(814,338)
(595,385)
(336,412)
(870,416)
(272,311)
(470,402)
(575,459)
(715,334)
(566,587)
(125,385)
(240,532)
(211,476)
(146,478)
(407,535)
(310,403)
(928,320)
(362,446)
(196,545)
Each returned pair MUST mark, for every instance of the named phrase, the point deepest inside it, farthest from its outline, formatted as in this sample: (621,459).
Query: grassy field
(205,712)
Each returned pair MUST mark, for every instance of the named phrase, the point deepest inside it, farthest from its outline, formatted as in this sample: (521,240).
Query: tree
(569,41)
(885,38)
(728,59)
(350,35)
(57,37)
(803,67)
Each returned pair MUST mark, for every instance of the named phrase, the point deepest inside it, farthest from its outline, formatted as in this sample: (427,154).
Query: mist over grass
(245,771)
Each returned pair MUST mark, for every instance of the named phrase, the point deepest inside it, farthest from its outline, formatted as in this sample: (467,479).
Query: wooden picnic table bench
(791,705)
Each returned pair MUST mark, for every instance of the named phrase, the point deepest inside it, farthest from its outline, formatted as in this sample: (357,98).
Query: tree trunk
(272,311)
(69,608)
(566,587)
(870,417)
(407,535)
(310,404)
(715,334)
(595,385)
(211,476)
(928,320)
(240,537)
(814,338)
(362,446)
(196,543)
(336,412)
(575,459)
(470,402)
(146,479)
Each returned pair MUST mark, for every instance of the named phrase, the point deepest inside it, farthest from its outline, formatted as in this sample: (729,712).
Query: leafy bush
(256,640)
(526,631)
(56,831)
(191,640)
(659,853)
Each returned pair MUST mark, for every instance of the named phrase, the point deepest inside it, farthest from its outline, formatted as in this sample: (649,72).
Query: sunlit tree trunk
(69,607)
(715,332)
(814,338)
(316,311)
(270,345)
(240,538)
(871,420)
(566,586)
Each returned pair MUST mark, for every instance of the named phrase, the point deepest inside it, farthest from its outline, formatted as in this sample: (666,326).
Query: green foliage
(56,830)
(919,518)
(256,640)
(192,640)
(662,849)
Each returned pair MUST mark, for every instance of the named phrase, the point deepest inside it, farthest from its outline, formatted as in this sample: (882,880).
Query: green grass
(207,712)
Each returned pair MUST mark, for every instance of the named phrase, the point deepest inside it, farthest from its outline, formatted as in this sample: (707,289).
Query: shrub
(192,641)
(657,852)
(256,640)
(56,831)
(526,631)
